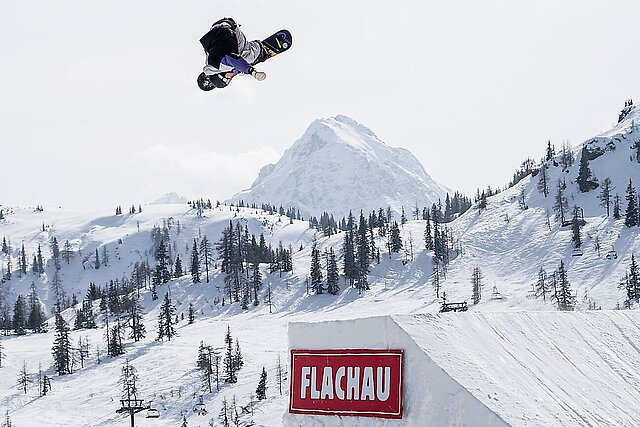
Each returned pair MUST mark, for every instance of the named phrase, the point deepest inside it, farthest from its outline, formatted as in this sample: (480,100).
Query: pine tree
(7,420)
(224,416)
(166,319)
(206,253)
(191,316)
(633,281)
(2,354)
(113,300)
(238,361)
(8,274)
(129,380)
(22,261)
(34,266)
(316,270)
(256,278)
(36,318)
(566,156)
(395,240)
(67,252)
(605,194)
(229,365)
(61,349)
(333,277)
(114,344)
(585,181)
(551,151)
(561,204)
(163,262)
(83,350)
(261,390)
(565,297)
(280,375)
(541,284)
(40,261)
(631,214)
(55,253)
(205,364)
(348,247)
(362,255)
(543,180)
(195,263)
(19,315)
(428,237)
(5,320)
(576,237)
(616,207)
(177,271)
(482,203)
(23,378)
(476,283)
(136,318)
(96,264)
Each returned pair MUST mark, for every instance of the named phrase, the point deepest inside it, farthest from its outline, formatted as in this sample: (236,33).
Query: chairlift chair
(200,408)
(531,293)
(577,252)
(495,294)
(612,254)
(153,413)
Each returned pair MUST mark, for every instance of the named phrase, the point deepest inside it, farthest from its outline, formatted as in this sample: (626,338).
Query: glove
(258,75)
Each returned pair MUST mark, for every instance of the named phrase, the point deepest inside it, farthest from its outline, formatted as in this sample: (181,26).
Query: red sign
(363,383)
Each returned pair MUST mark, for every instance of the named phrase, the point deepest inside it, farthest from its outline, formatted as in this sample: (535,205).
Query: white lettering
(367,384)
(353,383)
(304,382)
(327,383)
(383,383)
(315,393)
(339,376)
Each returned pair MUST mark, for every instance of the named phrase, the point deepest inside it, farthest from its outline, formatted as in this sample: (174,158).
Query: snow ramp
(496,369)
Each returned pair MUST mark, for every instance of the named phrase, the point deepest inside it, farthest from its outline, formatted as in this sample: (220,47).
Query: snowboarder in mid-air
(228,53)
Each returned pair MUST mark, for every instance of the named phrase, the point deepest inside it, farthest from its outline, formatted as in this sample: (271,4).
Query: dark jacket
(218,42)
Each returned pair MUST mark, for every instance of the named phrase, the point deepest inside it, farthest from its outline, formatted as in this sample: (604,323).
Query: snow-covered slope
(340,165)
(510,244)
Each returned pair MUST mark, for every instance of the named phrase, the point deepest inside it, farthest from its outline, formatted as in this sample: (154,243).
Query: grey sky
(98,101)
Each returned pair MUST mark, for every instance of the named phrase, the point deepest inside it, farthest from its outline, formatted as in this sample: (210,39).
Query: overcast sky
(99,105)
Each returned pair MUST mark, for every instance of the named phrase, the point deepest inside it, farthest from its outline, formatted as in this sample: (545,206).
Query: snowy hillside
(510,244)
(340,165)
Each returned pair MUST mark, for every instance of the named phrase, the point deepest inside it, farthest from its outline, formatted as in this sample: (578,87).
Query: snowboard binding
(208,83)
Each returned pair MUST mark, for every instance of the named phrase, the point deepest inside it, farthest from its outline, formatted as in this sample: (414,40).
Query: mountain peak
(345,128)
(340,165)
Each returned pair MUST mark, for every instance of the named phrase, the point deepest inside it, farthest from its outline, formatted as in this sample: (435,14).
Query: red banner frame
(347,382)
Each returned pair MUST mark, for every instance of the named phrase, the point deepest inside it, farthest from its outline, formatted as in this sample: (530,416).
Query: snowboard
(275,44)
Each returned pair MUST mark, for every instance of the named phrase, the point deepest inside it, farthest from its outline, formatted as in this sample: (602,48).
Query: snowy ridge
(340,165)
